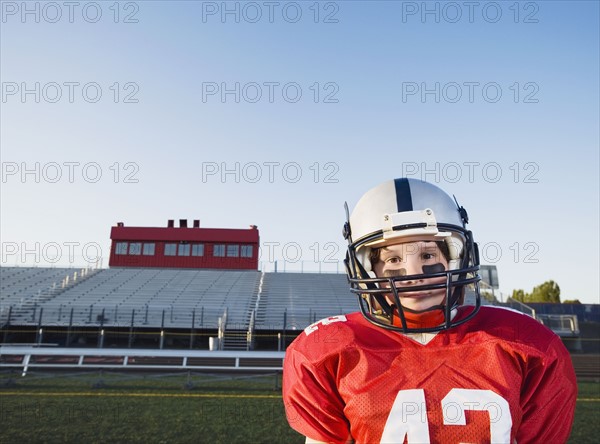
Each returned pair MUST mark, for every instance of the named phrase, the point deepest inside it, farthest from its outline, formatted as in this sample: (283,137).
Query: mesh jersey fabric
(501,377)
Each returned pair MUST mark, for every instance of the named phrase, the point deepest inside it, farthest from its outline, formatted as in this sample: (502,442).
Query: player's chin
(421,301)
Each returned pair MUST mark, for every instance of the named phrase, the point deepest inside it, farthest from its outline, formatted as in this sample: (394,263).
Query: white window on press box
(233,250)
(246,251)
(198,250)
(219,250)
(170,249)
(135,248)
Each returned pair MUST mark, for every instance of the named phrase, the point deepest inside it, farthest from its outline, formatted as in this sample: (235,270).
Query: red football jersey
(501,377)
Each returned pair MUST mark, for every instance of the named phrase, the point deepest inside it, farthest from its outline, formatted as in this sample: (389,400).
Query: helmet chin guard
(409,210)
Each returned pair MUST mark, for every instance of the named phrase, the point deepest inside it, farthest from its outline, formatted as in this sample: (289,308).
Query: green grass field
(125,408)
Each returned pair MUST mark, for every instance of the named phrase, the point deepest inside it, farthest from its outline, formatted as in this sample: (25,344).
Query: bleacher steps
(586,366)
(235,340)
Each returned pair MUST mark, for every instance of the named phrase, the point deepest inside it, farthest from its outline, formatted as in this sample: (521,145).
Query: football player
(416,365)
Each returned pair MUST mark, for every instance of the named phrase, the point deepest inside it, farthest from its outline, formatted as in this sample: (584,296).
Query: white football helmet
(410,210)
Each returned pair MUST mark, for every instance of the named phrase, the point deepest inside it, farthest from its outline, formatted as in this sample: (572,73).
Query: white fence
(28,357)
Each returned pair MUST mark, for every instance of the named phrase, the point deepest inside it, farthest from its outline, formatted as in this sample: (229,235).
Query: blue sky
(497,105)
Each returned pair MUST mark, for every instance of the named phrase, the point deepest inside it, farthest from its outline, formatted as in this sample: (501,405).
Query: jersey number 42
(408,416)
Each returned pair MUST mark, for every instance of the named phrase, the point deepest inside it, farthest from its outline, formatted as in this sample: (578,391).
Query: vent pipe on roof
(171,223)
(196,223)
(120,224)
(182,223)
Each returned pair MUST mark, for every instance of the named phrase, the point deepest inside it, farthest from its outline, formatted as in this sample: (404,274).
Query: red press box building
(184,247)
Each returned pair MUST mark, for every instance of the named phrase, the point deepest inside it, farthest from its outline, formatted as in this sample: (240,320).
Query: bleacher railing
(158,316)
(563,325)
(221,332)
(148,315)
(250,334)
(520,306)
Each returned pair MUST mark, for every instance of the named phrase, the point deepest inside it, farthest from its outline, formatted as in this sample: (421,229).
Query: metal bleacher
(291,301)
(24,287)
(239,305)
(152,297)
(236,303)
(17,284)
(176,298)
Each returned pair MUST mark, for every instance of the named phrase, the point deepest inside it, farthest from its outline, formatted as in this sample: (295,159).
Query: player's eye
(428,256)
(393,260)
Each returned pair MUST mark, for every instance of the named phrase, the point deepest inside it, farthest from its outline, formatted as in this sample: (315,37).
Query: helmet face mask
(411,213)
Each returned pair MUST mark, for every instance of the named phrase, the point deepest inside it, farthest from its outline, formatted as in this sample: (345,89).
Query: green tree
(572,301)
(489,296)
(519,295)
(549,291)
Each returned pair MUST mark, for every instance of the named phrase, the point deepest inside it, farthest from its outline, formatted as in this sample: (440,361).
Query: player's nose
(410,268)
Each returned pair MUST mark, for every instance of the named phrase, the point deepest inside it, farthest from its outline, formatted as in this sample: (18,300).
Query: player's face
(413,258)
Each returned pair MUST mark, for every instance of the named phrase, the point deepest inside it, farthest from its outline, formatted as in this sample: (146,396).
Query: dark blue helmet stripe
(403,196)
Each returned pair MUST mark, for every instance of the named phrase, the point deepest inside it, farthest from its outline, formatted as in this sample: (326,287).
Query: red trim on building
(184,247)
